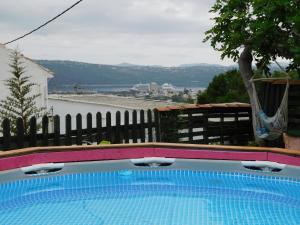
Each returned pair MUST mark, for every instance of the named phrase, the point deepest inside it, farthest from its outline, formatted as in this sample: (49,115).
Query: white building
(38,75)
(168,89)
(155,89)
(142,89)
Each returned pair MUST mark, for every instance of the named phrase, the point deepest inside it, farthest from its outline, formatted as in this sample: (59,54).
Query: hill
(71,73)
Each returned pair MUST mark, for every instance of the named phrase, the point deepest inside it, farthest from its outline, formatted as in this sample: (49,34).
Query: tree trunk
(245,66)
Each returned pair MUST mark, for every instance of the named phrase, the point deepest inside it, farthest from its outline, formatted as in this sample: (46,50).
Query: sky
(143,32)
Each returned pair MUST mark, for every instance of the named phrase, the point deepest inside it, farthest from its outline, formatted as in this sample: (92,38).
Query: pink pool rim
(31,156)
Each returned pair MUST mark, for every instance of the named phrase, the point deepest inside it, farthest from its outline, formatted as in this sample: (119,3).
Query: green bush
(225,87)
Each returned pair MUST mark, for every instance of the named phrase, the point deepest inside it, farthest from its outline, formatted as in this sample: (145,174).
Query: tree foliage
(229,87)
(20,103)
(225,87)
(268,28)
(260,30)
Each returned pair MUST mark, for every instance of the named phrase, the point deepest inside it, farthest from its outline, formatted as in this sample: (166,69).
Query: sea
(108,88)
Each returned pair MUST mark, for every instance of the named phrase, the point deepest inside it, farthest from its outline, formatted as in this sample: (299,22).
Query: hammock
(270,128)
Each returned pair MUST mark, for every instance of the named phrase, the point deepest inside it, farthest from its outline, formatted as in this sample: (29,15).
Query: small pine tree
(21,103)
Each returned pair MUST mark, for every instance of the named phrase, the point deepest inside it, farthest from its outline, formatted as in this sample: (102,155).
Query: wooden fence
(144,130)
(207,124)
(224,125)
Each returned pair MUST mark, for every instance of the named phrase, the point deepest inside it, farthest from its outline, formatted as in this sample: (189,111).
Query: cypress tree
(21,102)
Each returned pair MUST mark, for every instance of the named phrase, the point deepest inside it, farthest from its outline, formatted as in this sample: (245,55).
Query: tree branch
(245,65)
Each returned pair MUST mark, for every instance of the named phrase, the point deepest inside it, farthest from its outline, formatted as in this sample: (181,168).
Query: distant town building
(155,89)
(168,90)
(38,75)
(141,89)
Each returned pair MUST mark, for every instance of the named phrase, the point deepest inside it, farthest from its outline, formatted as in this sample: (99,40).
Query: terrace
(187,160)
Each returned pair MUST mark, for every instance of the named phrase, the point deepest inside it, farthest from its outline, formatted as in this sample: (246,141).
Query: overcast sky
(146,32)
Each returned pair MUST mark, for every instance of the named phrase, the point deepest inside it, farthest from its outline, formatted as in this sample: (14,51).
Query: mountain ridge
(68,72)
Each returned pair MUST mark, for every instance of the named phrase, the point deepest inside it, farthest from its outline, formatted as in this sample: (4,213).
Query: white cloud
(164,32)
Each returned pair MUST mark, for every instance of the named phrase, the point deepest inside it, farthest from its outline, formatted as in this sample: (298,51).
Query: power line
(49,21)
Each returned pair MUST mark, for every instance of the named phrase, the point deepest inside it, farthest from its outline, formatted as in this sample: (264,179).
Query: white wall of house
(63,107)
(37,74)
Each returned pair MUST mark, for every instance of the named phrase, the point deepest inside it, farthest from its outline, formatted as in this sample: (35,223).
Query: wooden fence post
(89,127)
(6,134)
(45,130)
(99,127)
(118,128)
(32,132)
(163,125)
(68,130)
(108,127)
(157,125)
(149,125)
(20,133)
(134,126)
(78,129)
(56,131)
(142,126)
(126,127)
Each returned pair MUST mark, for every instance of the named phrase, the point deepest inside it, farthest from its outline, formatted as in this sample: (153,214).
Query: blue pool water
(166,197)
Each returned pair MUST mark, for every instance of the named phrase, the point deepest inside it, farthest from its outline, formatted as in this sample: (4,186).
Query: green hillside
(70,73)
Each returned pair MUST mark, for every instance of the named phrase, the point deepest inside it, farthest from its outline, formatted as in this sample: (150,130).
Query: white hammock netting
(270,128)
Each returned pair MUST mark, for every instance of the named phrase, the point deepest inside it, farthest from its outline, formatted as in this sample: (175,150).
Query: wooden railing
(197,124)
(143,128)
(207,124)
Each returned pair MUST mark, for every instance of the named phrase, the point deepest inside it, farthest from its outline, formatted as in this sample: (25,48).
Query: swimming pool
(166,197)
(150,191)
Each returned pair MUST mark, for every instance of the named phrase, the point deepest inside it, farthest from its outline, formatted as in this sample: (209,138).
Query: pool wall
(31,156)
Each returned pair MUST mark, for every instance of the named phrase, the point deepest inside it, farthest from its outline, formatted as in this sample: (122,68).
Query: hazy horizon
(133,64)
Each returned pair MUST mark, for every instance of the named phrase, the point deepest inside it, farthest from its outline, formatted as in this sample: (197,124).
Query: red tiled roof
(205,106)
